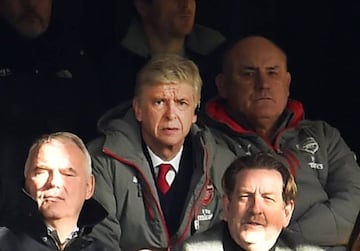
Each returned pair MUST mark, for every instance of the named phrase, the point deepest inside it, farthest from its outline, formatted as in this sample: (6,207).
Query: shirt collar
(175,162)
(61,245)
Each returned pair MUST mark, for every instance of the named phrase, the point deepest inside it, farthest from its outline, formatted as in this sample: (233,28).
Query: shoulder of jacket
(204,40)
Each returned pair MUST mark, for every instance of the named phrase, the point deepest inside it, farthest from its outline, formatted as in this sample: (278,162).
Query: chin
(51,214)
(31,33)
(31,28)
(253,236)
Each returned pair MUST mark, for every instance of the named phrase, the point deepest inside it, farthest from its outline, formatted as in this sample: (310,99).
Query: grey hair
(169,69)
(57,136)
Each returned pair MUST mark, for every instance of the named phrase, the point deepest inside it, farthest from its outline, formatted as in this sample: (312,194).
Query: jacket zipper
(192,211)
(158,207)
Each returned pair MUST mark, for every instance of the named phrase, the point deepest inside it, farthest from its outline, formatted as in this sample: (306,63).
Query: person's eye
(68,173)
(38,172)
(247,73)
(269,198)
(243,197)
(159,102)
(183,103)
(273,73)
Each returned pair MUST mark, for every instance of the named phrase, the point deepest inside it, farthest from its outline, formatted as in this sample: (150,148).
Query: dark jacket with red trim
(325,169)
(126,188)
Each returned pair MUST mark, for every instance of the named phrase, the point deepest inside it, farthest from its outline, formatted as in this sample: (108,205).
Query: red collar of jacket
(216,111)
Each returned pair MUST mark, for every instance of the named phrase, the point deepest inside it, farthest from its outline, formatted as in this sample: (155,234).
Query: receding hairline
(62,138)
(239,44)
(169,69)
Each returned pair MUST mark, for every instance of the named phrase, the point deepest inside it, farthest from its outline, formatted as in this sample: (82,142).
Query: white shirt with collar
(175,162)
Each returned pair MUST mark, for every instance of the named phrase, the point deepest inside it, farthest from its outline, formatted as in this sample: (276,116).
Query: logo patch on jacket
(309,145)
(204,215)
(209,194)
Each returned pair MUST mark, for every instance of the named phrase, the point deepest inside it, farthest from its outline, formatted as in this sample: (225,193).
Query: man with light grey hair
(157,171)
(54,213)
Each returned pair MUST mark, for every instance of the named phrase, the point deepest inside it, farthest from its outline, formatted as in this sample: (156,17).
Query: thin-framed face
(29,18)
(172,17)
(59,180)
(256,82)
(255,212)
(166,113)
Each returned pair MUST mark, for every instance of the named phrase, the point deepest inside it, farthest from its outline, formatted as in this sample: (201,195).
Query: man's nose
(55,179)
(262,81)
(171,110)
(256,205)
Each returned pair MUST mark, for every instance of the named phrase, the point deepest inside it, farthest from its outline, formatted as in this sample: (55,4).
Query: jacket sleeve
(108,231)
(337,214)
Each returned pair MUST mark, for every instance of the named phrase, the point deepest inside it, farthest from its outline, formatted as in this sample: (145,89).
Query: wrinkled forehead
(176,89)
(183,88)
(55,149)
(49,147)
(261,179)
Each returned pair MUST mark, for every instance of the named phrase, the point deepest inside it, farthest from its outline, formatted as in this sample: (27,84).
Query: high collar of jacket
(46,47)
(215,111)
(123,133)
(202,40)
(112,119)
(26,217)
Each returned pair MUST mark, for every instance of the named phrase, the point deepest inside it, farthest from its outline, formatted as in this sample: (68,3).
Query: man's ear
(225,204)
(220,84)
(90,188)
(288,79)
(197,109)
(194,119)
(137,110)
(288,211)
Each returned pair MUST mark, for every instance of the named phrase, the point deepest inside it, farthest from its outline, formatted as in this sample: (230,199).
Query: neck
(265,130)
(264,127)
(167,154)
(163,43)
(63,228)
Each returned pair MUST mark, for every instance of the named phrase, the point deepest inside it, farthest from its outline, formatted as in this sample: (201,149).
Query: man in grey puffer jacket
(159,127)
(254,114)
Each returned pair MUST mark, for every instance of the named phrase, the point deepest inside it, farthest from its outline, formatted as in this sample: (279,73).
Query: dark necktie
(162,184)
